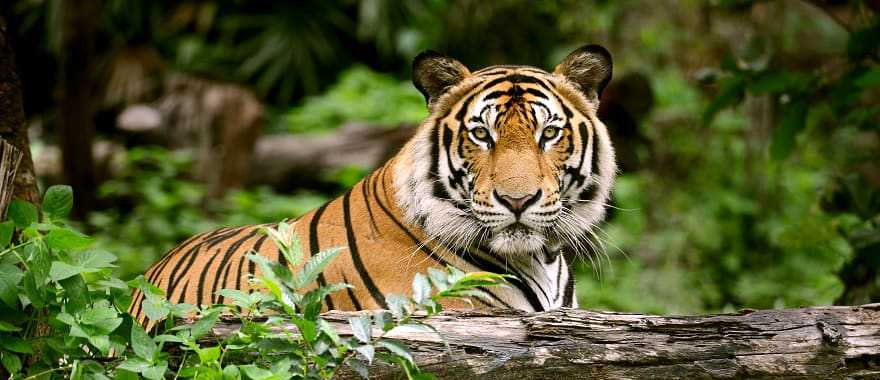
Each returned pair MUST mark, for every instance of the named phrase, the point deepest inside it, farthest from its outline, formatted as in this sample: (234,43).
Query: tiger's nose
(517,204)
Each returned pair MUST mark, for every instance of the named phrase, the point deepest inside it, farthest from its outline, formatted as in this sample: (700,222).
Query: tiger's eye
(480,133)
(550,132)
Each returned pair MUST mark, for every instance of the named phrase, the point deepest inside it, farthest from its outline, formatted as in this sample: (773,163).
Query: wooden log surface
(808,343)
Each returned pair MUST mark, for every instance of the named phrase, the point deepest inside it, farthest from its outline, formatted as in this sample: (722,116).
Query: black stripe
(558,281)
(439,191)
(159,268)
(594,139)
(314,247)
(355,255)
(182,297)
(200,287)
(567,301)
(173,279)
(490,266)
(354,301)
(192,254)
(223,263)
(364,189)
(528,277)
(418,243)
(244,256)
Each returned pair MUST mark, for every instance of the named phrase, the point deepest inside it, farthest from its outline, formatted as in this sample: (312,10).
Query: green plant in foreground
(316,350)
(62,313)
(59,302)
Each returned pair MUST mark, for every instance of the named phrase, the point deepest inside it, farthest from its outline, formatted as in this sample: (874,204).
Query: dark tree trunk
(13,131)
(12,123)
(76,128)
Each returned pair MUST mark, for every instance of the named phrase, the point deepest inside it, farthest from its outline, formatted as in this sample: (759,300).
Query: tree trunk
(13,131)
(12,123)
(76,128)
(808,343)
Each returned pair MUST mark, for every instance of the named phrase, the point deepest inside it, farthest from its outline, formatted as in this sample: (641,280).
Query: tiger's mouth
(517,238)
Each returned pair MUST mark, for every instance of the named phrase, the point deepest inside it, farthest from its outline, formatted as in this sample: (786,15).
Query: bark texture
(808,343)
(12,122)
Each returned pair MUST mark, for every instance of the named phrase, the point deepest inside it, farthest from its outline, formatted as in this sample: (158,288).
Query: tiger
(509,174)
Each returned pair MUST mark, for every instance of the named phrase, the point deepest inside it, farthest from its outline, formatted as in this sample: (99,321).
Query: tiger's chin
(516,240)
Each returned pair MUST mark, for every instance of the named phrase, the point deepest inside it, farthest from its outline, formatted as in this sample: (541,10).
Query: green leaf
(61,270)
(256,373)
(204,324)
(66,239)
(368,351)
(328,330)
(8,327)
(85,262)
(793,121)
(10,276)
(142,343)
(421,288)
(359,367)
(231,372)
(398,305)
(396,348)
(315,266)
(77,293)
(731,92)
(308,328)
(870,78)
(136,365)
(780,82)
(18,345)
(382,320)
(209,355)
(6,230)
(94,259)
(11,362)
(140,282)
(438,279)
(155,308)
(22,213)
(360,327)
(58,201)
(155,372)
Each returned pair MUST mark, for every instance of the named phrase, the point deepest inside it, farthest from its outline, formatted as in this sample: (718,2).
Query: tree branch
(816,342)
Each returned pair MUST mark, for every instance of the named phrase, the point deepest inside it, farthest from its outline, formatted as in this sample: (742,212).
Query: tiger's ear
(433,73)
(589,67)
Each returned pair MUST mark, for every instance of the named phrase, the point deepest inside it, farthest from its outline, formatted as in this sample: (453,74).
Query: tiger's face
(512,159)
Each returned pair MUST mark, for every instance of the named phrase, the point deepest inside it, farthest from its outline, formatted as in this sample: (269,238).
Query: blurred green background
(747,131)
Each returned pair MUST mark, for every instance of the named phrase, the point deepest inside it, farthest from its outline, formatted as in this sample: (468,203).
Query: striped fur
(442,199)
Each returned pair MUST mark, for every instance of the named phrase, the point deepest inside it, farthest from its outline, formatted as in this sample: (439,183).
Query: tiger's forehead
(500,88)
(509,69)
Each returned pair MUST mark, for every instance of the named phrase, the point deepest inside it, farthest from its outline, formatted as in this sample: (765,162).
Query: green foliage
(51,278)
(748,235)
(62,306)
(160,207)
(359,94)
(815,108)
(317,351)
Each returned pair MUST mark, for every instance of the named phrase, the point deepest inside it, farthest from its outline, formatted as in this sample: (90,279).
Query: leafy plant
(359,94)
(60,301)
(62,312)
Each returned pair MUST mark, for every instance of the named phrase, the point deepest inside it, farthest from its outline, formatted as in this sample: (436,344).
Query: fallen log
(809,343)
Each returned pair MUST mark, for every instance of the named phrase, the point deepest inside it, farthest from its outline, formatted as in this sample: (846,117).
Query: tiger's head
(512,159)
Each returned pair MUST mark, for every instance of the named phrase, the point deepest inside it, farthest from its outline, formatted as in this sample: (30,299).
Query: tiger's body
(511,168)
